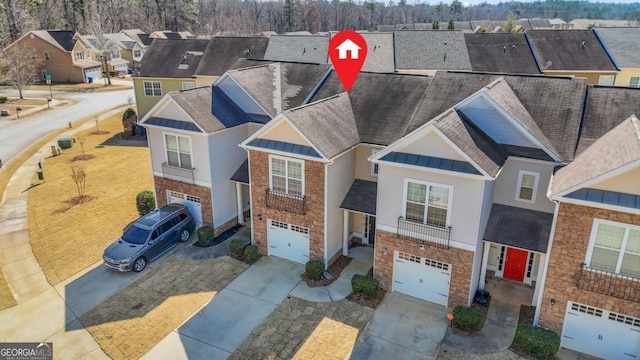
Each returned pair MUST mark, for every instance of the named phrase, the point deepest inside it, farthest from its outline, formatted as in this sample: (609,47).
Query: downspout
(536,316)
(326,184)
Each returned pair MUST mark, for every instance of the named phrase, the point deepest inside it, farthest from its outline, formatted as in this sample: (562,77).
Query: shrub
(205,235)
(536,341)
(314,269)
(251,253)
(3,99)
(365,285)
(145,202)
(236,246)
(466,319)
(129,116)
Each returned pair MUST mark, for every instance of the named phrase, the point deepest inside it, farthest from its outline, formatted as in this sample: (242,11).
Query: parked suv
(149,237)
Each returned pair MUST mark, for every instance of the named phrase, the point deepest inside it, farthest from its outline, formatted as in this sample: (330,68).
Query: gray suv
(149,237)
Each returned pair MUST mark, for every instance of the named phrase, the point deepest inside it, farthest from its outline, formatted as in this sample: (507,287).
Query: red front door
(515,264)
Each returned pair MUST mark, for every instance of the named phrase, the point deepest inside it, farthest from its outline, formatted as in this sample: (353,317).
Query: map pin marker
(347,51)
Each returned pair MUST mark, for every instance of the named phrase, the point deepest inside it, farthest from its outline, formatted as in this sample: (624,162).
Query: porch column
(483,267)
(239,203)
(345,232)
(536,292)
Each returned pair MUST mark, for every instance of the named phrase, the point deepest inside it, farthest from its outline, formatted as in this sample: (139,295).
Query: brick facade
(203,192)
(461,262)
(314,194)
(570,245)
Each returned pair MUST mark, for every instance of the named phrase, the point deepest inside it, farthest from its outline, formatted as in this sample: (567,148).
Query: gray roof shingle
(172,58)
(523,228)
(197,104)
(361,197)
(379,53)
(223,52)
(501,53)
(431,50)
(622,44)
(64,38)
(242,173)
(569,50)
(298,48)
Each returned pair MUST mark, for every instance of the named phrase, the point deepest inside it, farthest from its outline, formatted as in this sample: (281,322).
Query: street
(15,135)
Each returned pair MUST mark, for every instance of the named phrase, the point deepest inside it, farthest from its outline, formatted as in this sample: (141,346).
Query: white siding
(340,176)
(629,183)
(507,184)
(466,205)
(240,97)
(432,145)
(225,157)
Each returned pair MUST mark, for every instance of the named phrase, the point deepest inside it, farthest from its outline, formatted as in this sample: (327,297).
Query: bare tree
(19,67)
(105,46)
(79,177)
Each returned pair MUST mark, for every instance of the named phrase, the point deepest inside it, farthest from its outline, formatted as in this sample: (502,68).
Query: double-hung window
(137,53)
(152,88)
(527,186)
(178,151)
(46,56)
(634,81)
(615,247)
(79,55)
(374,167)
(286,176)
(428,203)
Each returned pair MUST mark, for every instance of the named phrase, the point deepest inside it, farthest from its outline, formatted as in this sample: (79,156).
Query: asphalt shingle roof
(298,48)
(622,44)
(197,104)
(523,228)
(569,50)
(64,38)
(361,197)
(242,173)
(172,58)
(379,52)
(431,50)
(501,53)
(223,52)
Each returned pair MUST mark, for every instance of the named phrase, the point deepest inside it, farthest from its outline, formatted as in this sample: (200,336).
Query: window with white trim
(152,88)
(606,80)
(427,203)
(79,55)
(527,186)
(46,56)
(137,53)
(634,81)
(186,85)
(286,175)
(374,167)
(178,150)
(614,247)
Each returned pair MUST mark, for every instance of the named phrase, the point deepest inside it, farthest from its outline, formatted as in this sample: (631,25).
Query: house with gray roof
(312,49)
(621,43)
(380,52)
(426,51)
(507,53)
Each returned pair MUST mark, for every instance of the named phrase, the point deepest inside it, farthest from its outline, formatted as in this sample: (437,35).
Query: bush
(466,319)
(251,253)
(205,235)
(365,285)
(3,99)
(536,341)
(236,246)
(129,116)
(145,202)
(314,269)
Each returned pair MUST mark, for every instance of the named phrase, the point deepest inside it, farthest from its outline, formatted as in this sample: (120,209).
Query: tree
(440,10)
(371,5)
(290,15)
(455,8)
(105,46)
(451,25)
(19,67)
(511,26)
(435,25)
(79,178)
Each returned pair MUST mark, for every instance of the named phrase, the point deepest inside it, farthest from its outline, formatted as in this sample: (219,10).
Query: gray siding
(340,176)
(506,184)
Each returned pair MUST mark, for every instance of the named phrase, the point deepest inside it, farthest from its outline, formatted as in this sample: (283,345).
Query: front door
(369,229)
(515,264)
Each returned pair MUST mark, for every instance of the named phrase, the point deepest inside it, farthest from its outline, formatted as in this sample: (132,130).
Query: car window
(155,234)
(165,227)
(135,235)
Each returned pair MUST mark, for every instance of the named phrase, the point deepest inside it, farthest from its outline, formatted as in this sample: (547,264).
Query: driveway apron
(402,327)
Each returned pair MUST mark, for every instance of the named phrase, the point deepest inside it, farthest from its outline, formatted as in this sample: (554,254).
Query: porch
(241,180)
(359,218)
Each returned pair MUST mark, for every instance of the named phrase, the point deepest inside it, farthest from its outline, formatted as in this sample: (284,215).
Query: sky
(476,2)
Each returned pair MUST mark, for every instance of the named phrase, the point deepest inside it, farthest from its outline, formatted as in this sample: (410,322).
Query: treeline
(209,17)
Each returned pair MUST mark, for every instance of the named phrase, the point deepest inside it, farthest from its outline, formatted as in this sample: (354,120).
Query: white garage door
(95,73)
(421,278)
(190,201)
(288,241)
(601,333)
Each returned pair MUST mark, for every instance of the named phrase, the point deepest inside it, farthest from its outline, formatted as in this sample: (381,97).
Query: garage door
(422,278)
(288,241)
(95,73)
(601,333)
(190,201)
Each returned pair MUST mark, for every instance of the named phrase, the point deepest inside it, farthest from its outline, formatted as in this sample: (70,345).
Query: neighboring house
(621,43)
(379,53)
(574,53)
(426,51)
(167,66)
(592,280)
(130,50)
(106,51)
(222,52)
(501,53)
(143,42)
(60,55)
(587,24)
(194,134)
(171,35)
(298,48)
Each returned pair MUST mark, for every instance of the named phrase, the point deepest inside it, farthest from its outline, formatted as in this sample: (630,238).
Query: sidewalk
(32,109)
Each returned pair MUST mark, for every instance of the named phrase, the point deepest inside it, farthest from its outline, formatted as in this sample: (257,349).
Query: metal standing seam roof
(522,228)
(284,147)
(361,197)
(606,197)
(174,124)
(431,162)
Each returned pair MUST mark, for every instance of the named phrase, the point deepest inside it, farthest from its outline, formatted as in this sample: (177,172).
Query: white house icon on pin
(348,46)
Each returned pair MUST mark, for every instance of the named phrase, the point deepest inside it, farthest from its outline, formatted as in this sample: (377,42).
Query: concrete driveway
(221,326)
(402,327)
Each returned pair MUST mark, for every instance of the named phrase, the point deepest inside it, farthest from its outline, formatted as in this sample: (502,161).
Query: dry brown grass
(16,102)
(67,238)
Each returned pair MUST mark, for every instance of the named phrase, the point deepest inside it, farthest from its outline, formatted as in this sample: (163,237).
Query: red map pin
(347,51)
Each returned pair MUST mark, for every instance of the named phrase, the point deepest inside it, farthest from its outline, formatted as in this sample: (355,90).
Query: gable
(431,144)
(171,110)
(283,131)
(239,96)
(627,182)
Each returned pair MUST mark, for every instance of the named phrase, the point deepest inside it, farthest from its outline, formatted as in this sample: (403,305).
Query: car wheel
(139,264)
(184,235)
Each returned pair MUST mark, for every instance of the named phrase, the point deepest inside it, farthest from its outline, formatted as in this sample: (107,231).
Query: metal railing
(608,283)
(178,172)
(286,202)
(433,234)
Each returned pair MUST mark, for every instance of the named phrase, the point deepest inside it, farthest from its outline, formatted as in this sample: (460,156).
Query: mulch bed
(334,270)
(220,238)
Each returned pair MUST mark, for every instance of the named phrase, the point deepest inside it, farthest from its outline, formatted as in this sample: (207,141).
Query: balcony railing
(608,283)
(178,173)
(436,235)
(292,203)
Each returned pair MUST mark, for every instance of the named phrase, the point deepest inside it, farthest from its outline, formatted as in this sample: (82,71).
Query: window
(615,247)
(178,151)
(286,176)
(46,56)
(527,186)
(634,81)
(152,88)
(606,80)
(427,203)
(188,85)
(137,53)
(115,55)
(374,167)
(79,55)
